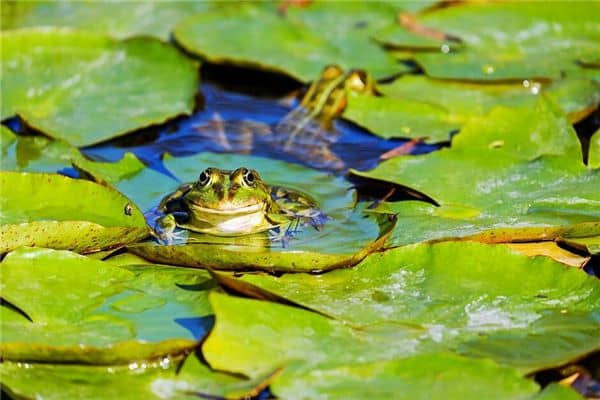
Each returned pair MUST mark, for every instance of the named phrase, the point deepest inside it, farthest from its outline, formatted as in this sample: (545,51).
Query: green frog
(233,203)
(307,131)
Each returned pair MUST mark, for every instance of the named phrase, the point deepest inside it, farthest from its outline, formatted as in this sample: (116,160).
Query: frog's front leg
(165,230)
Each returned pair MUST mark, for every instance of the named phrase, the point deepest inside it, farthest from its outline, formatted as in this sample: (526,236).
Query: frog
(234,203)
(307,131)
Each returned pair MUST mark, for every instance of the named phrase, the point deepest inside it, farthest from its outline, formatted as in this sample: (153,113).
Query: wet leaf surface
(121,19)
(512,176)
(518,48)
(152,380)
(538,301)
(53,77)
(257,36)
(104,314)
(439,375)
(48,210)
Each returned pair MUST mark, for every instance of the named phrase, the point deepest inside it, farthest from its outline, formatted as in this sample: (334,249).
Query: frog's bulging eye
(249,177)
(204,177)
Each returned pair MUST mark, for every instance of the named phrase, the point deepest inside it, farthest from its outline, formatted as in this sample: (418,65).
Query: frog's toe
(171,237)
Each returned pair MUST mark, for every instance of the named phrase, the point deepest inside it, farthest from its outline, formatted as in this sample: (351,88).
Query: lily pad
(299,43)
(465,99)
(105,315)
(41,154)
(446,288)
(594,152)
(119,19)
(309,250)
(55,211)
(437,375)
(150,380)
(52,79)
(517,48)
(253,337)
(507,181)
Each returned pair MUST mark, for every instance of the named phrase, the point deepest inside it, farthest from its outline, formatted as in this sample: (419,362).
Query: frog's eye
(249,177)
(204,177)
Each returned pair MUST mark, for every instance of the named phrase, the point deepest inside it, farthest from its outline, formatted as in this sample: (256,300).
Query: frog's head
(229,192)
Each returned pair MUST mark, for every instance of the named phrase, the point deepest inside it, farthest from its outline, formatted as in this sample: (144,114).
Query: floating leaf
(300,43)
(40,154)
(152,380)
(52,79)
(518,48)
(104,314)
(121,19)
(437,375)
(446,288)
(498,181)
(55,211)
(253,337)
(463,100)
(308,250)
(394,118)
(550,249)
(594,152)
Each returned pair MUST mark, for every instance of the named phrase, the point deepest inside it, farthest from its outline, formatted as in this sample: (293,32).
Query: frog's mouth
(232,210)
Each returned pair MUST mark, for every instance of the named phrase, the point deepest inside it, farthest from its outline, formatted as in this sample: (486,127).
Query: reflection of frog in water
(233,203)
(307,131)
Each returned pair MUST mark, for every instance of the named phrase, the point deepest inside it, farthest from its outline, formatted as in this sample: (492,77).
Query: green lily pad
(511,176)
(55,211)
(509,40)
(437,375)
(40,154)
(446,288)
(393,118)
(594,152)
(570,336)
(309,250)
(119,19)
(254,337)
(53,77)
(104,314)
(150,380)
(463,100)
(299,43)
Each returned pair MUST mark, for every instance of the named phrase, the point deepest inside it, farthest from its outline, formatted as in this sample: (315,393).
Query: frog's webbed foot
(165,231)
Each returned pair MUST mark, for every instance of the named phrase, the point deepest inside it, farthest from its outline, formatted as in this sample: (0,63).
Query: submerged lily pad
(150,380)
(55,211)
(299,43)
(119,19)
(308,250)
(446,288)
(509,40)
(104,314)
(85,87)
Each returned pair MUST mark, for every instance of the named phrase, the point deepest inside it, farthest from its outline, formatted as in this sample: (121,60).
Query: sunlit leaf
(447,289)
(499,181)
(83,310)
(49,210)
(509,40)
(300,43)
(85,87)
(119,19)
(437,375)
(153,380)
